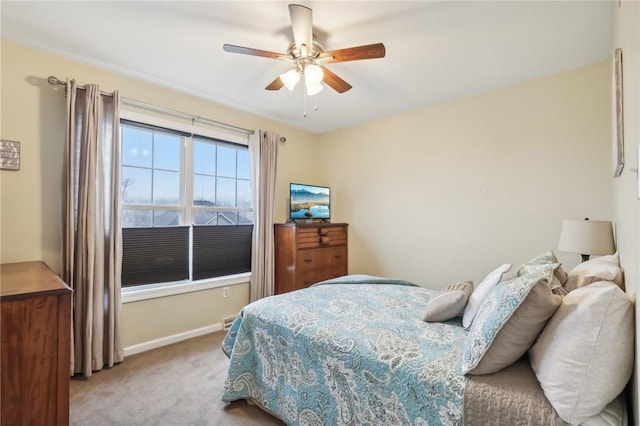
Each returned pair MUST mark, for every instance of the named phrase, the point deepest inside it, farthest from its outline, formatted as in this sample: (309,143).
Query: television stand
(308,253)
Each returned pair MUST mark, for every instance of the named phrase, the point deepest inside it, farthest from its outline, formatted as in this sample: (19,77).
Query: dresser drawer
(311,259)
(308,278)
(321,236)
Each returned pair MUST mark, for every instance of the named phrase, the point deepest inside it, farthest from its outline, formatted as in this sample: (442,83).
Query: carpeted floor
(179,384)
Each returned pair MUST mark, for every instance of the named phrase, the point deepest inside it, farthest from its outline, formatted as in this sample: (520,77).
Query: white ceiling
(436,51)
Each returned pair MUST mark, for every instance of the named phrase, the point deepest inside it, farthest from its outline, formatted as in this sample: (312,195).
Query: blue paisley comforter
(348,352)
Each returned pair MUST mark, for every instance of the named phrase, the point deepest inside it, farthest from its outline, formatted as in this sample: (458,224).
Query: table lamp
(587,237)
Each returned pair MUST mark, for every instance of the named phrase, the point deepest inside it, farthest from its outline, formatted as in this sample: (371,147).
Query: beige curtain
(263,148)
(92,238)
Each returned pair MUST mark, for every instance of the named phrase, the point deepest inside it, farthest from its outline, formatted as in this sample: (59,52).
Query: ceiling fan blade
(370,51)
(275,84)
(335,82)
(301,25)
(253,52)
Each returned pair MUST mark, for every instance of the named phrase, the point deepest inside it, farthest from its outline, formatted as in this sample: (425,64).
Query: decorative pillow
(584,357)
(450,303)
(508,322)
(540,261)
(481,292)
(603,268)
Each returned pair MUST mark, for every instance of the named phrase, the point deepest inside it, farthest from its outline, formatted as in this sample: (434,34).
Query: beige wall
(626,208)
(450,192)
(156,318)
(30,204)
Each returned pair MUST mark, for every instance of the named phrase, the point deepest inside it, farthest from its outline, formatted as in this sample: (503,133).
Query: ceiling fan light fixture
(305,53)
(313,74)
(290,78)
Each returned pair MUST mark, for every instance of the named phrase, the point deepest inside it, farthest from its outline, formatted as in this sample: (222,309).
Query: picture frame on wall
(9,155)
(618,114)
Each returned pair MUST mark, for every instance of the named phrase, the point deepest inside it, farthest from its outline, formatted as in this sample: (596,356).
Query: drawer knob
(338,256)
(308,260)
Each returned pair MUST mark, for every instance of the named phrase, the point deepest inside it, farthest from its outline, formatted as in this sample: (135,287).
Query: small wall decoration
(9,155)
(618,113)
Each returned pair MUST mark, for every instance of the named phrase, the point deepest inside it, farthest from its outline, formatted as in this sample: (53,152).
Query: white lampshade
(313,74)
(290,78)
(587,237)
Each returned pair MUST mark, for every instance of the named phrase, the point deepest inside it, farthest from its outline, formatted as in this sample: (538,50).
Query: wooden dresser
(35,332)
(309,253)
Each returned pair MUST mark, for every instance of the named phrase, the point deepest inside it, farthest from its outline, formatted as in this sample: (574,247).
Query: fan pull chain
(315,102)
(304,112)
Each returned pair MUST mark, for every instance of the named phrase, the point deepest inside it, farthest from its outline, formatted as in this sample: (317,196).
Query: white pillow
(603,268)
(584,356)
(481,292)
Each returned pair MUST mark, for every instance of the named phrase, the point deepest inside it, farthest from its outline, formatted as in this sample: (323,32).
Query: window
(221,184)
(151,177)
(186,206)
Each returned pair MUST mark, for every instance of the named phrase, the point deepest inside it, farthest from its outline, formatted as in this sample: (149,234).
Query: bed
(357,350)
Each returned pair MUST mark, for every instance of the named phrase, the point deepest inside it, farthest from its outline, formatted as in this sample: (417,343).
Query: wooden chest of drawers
(35,330)
(309,253)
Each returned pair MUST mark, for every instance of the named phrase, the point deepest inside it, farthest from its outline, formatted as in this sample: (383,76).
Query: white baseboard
(164,341)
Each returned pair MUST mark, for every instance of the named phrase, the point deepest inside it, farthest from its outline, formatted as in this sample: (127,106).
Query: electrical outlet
(225,292)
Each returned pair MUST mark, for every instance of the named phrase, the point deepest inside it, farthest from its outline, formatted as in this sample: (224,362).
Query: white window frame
(152,291)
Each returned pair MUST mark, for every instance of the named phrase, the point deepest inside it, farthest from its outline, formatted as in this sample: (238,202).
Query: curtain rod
(54,81)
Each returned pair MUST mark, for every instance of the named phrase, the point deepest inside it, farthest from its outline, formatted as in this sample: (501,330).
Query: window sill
(153,291)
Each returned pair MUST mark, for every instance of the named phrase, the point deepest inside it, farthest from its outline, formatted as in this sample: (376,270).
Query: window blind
(155,255)
(221,250)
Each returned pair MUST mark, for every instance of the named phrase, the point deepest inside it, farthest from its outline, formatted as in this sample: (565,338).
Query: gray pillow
(508,322)
(450,303)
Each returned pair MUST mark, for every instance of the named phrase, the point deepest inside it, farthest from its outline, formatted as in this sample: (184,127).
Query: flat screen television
(309,201)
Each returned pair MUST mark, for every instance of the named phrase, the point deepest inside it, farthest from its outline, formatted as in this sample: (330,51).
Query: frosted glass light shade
(313,74)
(314,89)
(290,78)
(587,237)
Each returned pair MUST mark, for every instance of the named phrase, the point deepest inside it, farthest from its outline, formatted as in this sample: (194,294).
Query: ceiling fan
(308,56)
